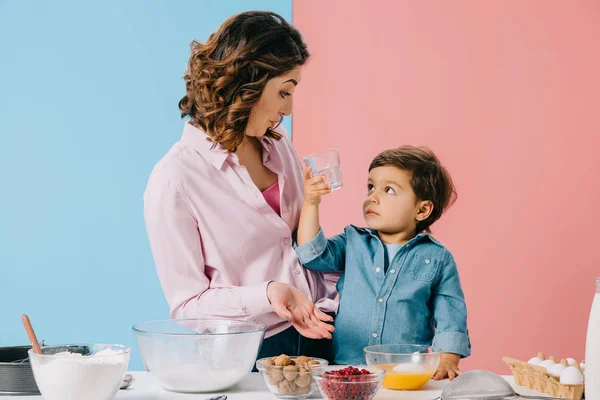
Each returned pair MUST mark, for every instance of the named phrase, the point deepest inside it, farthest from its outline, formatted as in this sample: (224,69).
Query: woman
(222,205)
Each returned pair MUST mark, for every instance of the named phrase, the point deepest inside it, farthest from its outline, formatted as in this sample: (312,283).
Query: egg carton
(538,378)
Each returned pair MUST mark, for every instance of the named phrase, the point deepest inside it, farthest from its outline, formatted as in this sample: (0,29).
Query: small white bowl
(74,372)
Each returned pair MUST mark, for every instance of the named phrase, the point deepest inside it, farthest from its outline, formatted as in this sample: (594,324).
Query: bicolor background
(507,93)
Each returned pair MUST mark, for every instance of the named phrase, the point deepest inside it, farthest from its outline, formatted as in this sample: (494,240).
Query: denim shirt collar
(418,238)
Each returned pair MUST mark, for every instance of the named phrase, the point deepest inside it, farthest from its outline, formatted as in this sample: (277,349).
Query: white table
(145,387)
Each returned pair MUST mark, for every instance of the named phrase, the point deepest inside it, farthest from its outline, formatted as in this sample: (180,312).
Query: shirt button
(427,261)
(284,209)
(297,271)
(377,269)
(375,335)
(381,300)
(393,271)
(286,241)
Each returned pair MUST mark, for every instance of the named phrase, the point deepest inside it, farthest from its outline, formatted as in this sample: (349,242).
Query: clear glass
(82,371)
(406,366)
(290,384)
(326,163)
(199,355)
(334,387)
(592,349)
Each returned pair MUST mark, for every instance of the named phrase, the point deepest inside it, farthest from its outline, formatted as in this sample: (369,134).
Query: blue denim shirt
(419,300)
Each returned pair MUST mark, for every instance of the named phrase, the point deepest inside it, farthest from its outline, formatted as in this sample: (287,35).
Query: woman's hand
(292,305)
(314,188)
(448,367)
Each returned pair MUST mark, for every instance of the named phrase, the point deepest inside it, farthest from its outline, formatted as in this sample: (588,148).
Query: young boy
(399,284)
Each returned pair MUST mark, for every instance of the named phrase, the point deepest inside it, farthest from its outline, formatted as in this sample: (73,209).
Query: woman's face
(274,102)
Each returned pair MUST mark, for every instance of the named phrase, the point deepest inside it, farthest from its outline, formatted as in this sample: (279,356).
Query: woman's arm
(177,249)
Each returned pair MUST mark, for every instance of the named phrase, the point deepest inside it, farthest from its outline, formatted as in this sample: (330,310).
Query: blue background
(88,105)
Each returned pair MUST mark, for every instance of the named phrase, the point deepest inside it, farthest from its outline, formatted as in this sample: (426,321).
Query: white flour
(193,378)
(71,376)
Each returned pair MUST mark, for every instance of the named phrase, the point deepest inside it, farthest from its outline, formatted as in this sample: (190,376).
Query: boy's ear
(424,210)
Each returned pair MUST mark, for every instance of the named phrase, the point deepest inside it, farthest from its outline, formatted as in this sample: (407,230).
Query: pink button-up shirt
(216,241)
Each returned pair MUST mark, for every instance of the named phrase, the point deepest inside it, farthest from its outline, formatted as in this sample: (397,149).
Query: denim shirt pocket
(424,267)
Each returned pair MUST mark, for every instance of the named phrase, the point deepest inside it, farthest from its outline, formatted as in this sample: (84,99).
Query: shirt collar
(198,140)
(214,153)
(416,239)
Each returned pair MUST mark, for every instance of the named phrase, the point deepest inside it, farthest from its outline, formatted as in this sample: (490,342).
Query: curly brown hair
(226,75)
(429,179)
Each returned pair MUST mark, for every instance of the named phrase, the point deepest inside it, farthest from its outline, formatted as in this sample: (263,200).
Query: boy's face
(391,205)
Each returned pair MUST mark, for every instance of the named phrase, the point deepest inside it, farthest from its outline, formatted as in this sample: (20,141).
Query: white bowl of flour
(67,375)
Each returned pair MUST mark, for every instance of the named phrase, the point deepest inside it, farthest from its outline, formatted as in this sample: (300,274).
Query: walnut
(268,362)
(302,390)
(303,380)
(290,372)
(313,363)
(283,360)
(286,387)
(301,360)
(275,375)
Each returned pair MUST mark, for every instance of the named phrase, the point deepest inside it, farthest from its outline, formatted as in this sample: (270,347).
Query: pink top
(216,242)
(271,196)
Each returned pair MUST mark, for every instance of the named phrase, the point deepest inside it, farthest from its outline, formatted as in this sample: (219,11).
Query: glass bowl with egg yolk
(406,366)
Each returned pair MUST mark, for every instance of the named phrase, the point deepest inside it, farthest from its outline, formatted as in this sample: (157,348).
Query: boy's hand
(314,188)
(448,367)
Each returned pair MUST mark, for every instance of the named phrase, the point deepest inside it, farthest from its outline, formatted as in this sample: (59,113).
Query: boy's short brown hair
(429,179)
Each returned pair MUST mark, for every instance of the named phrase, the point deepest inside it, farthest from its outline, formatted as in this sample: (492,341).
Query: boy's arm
(450,315)
(314,188)
(314,250)
(309,223)
(322,254)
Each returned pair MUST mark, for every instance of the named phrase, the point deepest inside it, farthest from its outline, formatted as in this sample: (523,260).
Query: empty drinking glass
(326,163)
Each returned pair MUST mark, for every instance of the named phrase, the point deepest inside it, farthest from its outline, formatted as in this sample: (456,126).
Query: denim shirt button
(377,269)
(374,335)
(427,261)
(393,271)
(381,300)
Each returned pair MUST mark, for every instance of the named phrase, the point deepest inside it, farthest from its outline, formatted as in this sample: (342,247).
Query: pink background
(508,95)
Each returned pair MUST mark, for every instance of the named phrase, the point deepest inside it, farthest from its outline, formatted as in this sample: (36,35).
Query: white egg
(535,361)
(571,361)
(571,376)
(547,364)
(556,370)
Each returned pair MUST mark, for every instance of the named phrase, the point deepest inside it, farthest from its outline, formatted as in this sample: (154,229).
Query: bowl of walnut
(290,377)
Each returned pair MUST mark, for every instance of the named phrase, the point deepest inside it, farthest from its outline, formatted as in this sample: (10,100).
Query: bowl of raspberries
(348,383)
